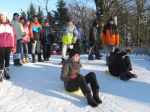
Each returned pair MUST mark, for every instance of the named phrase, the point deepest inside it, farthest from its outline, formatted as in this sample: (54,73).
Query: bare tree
(81,13)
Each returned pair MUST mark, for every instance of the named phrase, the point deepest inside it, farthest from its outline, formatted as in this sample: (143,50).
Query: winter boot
(23,60)
(132,75)
(33,58)
(124,76)
(1,78)
(91,101)
(96,97)
(17,62)
(39,58)
(6,73)
(27,60)
(90,57)
(98,57)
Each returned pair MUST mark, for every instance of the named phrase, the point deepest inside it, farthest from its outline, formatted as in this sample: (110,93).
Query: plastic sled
(107,72)
(77,92)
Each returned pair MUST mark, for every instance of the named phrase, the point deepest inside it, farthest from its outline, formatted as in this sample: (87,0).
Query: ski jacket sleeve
(64,72)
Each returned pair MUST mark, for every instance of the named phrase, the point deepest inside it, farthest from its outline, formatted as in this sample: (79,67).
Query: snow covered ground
(38,88)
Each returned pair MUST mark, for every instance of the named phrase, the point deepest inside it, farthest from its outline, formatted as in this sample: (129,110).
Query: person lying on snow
(119,64)
(73,80)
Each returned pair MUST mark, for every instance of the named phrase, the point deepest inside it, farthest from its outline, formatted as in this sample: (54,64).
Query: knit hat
(15,14)
(2,13)
(72,52)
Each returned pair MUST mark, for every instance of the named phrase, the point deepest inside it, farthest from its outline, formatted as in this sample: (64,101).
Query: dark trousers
(4,57)
(95,50)
(46,51)
(82,82)
(125,64)
(120,66)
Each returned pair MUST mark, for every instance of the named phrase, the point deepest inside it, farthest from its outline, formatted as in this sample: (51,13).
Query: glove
(13,50)
(74,76)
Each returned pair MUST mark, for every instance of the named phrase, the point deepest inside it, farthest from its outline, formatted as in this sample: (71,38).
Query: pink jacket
(26,38)
(8,37)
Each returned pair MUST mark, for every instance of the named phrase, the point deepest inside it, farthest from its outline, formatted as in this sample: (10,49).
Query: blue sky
(11,6)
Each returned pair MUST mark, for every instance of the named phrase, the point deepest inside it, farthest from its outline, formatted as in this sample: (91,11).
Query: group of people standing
(18,36)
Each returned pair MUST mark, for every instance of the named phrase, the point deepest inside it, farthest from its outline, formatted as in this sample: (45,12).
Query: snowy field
(38,88)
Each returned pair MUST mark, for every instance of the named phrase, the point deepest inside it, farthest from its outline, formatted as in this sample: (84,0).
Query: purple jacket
(7,36)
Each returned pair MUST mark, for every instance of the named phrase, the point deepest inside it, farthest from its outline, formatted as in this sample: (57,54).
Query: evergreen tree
(23,13)
(62,13)
(51,20)
(31,12)
(40,15)
(60,17)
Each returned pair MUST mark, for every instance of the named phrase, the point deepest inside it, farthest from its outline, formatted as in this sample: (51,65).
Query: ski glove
(74,76)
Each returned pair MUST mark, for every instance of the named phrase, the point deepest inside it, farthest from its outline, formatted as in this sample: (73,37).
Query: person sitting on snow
(73,80)
(119,64)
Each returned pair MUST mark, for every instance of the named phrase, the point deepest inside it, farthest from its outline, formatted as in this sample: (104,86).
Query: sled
(77,92)
(107,72)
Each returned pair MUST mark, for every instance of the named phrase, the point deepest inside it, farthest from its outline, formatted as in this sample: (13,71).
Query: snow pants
(4,57)
(82,82)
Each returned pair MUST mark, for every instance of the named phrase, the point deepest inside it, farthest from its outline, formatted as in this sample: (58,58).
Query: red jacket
(8,37)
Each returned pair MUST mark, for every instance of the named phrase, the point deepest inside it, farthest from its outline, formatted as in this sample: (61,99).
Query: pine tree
(31,12)
(23,13)
(62,13)
(40,15)
(60,17)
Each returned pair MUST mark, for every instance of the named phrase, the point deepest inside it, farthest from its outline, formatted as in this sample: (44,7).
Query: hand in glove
(74,76)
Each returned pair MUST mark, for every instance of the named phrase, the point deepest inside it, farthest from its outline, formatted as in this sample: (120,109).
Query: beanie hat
(2,13)
(72,52)
(15,14)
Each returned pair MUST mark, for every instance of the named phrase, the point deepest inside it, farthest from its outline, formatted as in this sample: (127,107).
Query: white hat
(2,13)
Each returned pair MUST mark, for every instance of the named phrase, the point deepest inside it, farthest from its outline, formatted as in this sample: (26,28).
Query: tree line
(133,17)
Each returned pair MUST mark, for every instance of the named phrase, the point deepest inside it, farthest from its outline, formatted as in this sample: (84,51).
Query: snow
(37,88)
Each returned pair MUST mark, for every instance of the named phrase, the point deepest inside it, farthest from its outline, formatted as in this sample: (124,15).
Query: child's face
(70,23)
(3,18)
(22,21)
(76,57)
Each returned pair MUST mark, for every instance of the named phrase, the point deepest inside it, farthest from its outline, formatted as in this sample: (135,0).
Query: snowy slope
(38,88)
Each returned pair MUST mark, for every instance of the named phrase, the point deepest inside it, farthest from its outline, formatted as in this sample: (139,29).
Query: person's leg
(48,52)
(64,52)
(128,67)
(2,57)
(33,51)
(90,57)
(18,55)
(26,53)
(97,53)
(91,78)
(109,49)
(38,49)
(80,82)
(7,60)
(44,52)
